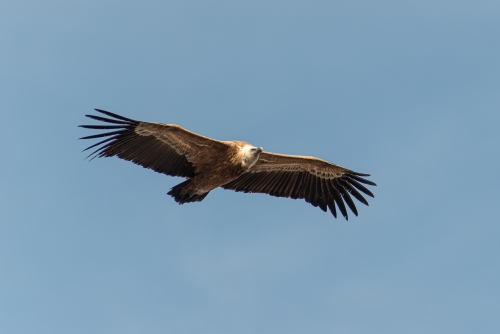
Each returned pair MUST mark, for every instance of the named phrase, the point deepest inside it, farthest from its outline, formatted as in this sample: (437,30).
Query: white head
(250,155)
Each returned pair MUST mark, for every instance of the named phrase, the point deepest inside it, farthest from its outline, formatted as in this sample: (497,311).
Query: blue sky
(406,91)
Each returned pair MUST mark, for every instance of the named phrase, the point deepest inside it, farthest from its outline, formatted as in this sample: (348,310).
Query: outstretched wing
(164,148)
(317,181)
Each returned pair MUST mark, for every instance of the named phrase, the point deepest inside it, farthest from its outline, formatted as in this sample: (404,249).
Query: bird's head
(250,155)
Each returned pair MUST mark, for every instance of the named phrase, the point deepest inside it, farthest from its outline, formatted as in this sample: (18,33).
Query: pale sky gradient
(408,91)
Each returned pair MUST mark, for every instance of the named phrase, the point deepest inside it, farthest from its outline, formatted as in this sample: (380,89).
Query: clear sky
(408,91)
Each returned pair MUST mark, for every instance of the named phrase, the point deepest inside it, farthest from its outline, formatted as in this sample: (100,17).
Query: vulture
(208,163)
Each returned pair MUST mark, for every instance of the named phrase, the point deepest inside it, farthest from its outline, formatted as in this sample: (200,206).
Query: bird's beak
(259,150)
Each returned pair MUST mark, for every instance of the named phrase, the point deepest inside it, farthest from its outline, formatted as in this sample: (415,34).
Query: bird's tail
(182,194)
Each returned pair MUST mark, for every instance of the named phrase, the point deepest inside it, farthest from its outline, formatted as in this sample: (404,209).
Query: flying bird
(207,163)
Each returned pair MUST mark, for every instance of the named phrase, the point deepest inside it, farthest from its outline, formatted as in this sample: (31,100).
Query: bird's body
(236,165)
(231,162)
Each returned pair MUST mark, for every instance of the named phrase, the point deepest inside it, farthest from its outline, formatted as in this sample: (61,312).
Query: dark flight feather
(116,116)
(360,179)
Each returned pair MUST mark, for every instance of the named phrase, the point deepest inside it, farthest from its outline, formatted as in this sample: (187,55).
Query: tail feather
(182,194)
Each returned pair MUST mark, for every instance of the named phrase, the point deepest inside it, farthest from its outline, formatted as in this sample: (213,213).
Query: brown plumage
(236,165)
